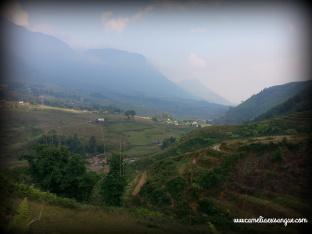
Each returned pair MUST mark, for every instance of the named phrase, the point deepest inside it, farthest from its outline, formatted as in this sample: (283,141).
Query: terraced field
(25,123)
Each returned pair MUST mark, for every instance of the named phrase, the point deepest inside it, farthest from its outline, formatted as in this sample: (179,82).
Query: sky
(235,50)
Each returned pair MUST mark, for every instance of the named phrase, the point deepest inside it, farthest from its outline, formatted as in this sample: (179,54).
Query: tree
(130,113)
(114,183)
(92,147)
(57,170)
(167,142)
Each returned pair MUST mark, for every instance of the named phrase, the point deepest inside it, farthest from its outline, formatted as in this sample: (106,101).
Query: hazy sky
(234,50)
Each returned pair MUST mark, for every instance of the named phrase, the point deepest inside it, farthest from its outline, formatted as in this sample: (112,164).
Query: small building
(99,120)
(195,124)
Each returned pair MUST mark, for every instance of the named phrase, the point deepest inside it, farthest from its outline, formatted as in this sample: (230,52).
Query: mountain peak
(199,90)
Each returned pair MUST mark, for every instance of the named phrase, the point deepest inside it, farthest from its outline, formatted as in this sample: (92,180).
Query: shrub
(176,186)
(21,219)
(113,185)
(277,155)
(210,179)
(206,206)
(34,193)
(155,195)
(57,170)
(167,142)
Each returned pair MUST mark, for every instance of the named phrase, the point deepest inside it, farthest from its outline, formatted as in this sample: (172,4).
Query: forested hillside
(262,102)
(300,102)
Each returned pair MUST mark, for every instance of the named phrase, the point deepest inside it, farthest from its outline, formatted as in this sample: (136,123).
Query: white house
(100,120)
(195,124)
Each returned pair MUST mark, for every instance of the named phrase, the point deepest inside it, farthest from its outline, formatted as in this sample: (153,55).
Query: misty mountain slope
(263,102)
(196,88)
(116,70)
(125,78)
(133,72)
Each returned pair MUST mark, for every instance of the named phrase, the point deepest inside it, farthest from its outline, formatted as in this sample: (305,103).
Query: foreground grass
(90,219)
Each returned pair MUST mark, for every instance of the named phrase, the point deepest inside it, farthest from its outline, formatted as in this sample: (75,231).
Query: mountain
(301,102)
(122,77)
(116,70)
(130,73)
(262,102)
(196,88)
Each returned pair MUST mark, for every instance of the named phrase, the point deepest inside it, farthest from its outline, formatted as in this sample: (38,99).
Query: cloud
(198,29)
(142,13)
(118,24)
(15,13)
(106,15)
(197,61)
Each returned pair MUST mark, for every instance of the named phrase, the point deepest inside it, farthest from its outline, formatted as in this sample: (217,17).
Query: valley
(208,177)
(155,117)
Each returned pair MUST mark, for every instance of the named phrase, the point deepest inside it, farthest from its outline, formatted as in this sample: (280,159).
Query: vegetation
(21,220)
(73,143)
(198,182)
(66,170)
(61,172)
(130,113)
(262,102)
(298,103)
(114,183)
(167,142)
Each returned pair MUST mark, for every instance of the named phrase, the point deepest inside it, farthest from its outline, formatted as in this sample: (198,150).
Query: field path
(261,139)
(139,184)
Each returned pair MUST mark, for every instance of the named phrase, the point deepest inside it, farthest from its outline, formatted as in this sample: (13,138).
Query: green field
(26,123)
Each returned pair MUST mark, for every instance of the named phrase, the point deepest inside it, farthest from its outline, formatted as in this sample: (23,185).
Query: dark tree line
(73,143)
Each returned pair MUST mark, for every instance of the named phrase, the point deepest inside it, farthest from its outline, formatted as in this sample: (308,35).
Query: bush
(176,186)
(277,155)
(167,142)
(146,213)
(57,170)
(210,179)
(34,193)
(206,206)
(155,195)
(19,223)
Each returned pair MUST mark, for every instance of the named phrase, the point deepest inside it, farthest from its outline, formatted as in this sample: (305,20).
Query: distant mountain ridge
(262,102)
(36,58)
(196,88)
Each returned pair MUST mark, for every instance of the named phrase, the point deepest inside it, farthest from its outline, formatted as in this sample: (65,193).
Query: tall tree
(114,183)
(130,113)
(92,147)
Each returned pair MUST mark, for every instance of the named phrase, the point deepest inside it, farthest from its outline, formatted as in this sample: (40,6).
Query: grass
(61,220)
(57,219)
(26,123)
